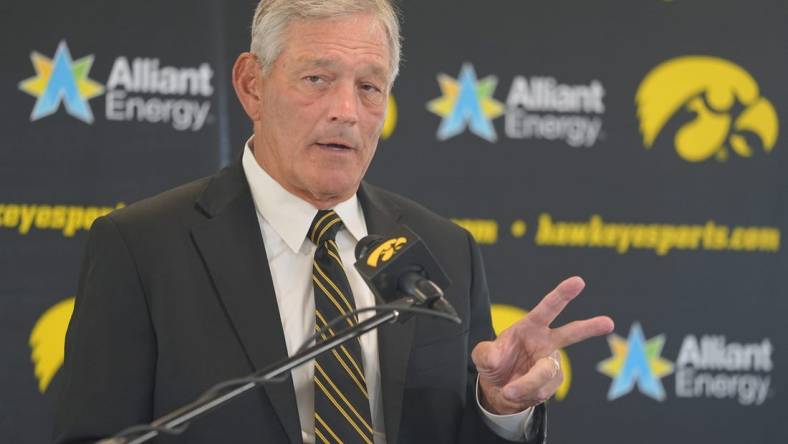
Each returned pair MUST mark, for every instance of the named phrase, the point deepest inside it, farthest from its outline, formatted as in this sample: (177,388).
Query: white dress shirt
(284,222)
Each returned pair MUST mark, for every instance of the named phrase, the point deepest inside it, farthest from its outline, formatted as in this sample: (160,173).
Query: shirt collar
(289,215)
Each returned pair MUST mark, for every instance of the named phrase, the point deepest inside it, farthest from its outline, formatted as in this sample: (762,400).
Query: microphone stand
(204,405)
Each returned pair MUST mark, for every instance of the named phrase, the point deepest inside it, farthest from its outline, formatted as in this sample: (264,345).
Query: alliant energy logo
(140,89)
(711,367)
(708,367)
(543,108)
(61,80)
(636,360)
(467,103)
(537,108)
(712,107)
(143,90)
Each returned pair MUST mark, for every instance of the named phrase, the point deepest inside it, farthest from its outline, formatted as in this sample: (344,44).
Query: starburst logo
(61,79)
(636,360)
(467,103)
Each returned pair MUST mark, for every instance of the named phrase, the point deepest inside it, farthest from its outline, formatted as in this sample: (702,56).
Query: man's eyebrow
(378,71)
(373,69)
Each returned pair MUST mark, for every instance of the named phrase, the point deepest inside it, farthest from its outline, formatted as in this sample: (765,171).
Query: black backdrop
(549,110)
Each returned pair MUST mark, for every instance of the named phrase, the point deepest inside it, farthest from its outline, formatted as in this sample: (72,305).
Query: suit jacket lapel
(394,340)
(232,247)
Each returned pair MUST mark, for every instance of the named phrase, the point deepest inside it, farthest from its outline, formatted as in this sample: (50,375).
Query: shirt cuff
(509,427)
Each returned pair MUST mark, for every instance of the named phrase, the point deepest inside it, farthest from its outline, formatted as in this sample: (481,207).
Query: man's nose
(344,104)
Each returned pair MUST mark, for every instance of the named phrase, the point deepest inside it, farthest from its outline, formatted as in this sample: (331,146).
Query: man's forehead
(361,23)
(361,33)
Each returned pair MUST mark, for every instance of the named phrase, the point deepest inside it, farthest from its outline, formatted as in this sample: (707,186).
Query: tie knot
(324,227)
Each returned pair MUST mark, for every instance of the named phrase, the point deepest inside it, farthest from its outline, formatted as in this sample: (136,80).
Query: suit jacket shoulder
(184,204)
(436,230)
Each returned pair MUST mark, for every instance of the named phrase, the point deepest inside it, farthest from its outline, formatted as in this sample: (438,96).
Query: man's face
(322,107)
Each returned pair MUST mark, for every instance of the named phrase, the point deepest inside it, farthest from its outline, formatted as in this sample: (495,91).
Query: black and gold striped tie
(342,412)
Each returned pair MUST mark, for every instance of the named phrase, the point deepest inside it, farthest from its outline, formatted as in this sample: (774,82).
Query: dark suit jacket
(175,295)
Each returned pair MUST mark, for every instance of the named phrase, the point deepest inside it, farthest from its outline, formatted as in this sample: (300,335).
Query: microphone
(400,263)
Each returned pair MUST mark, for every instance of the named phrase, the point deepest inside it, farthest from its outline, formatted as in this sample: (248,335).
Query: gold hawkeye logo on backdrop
(47,341)
(385,251)
(729,112)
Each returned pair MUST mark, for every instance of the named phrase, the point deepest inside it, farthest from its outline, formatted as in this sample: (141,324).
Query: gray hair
(272,17)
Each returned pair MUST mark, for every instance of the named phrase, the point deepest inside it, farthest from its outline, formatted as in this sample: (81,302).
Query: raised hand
(520,368)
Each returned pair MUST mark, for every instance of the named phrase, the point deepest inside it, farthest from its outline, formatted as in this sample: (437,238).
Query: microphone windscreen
(366,244)
(382,260)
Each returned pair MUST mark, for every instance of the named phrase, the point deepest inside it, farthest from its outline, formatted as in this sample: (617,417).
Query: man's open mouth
(336,146)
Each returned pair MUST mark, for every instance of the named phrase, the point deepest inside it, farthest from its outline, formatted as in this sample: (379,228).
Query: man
(226,275)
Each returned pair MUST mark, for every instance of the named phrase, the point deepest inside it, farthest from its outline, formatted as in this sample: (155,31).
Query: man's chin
(333,190)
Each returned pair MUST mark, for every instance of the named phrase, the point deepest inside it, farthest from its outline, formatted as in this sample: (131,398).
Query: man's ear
(246,74)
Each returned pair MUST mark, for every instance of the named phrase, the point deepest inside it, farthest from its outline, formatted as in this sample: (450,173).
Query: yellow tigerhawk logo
(47,341)
(725,99)
(391,119)
(504,316)
(385,251)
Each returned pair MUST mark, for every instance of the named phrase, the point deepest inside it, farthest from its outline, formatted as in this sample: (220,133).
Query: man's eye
(370,87)
(313,79)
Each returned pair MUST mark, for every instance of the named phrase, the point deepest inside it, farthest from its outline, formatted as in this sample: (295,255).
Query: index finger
(578,331)
(554,303)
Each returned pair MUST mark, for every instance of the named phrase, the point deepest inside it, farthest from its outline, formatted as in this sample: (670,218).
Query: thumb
(487,358)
